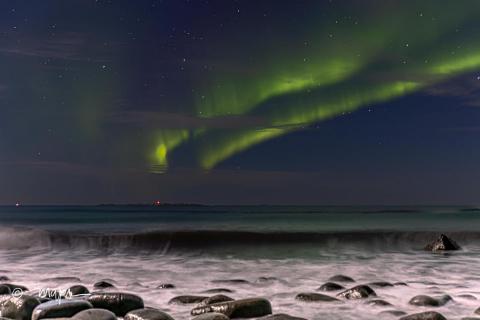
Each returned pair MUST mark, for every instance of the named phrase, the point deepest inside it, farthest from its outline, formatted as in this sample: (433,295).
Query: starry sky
(240,102)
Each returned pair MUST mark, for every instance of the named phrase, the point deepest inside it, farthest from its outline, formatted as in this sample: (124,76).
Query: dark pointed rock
(118,302)
(211,316)
(147,314)
(20,308)
(214,299)
(94,314)
(443,243)
(379,303)
(63,308)
(330,286)
(400,283)
(341,278)
(187,299)
(424,300)
(428,315)
(358,292)
(314,297)
(244,308)
(103,285)
(166,286)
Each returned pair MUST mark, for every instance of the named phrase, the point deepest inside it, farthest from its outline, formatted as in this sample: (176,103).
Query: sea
(277,252)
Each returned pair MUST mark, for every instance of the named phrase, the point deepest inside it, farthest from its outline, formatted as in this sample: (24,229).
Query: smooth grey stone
(443,243)
(20,308)
(218,290)
(103,285)
(118,302)
(379,303)
(5,289)
(94,314)
(63,308)
(424,300)
(211,316)
(214,299)
(380,284)
(341,278)
(147,314)
(280,316)
(396,313)
(231,281)
(314,297)
(428,315)
(78,290)
(330,286)
(245,308)
(358,292)
(186,299)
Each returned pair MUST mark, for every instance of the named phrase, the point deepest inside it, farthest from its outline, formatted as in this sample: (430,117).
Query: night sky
(240,102)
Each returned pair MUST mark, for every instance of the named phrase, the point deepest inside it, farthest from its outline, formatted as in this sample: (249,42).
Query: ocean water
(141,247)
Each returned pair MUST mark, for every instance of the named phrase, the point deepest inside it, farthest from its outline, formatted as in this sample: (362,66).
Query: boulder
(4,278)
(94,314)
(443,243)
(18,308)
(380,284)
(5,289)
(14,287)
(211,316)
(341,278)
(245,308)
(427,315)
(166,286)
(63,308)
(187,299)
(147,314)
(379,303)
(358,292)
(424,300)
(218,290)
(231,281)
(214,299)
(78,290)
(330,286)
(314,297)
(400,284)
(395,313)
(103,285)
(477,311)
(118,302)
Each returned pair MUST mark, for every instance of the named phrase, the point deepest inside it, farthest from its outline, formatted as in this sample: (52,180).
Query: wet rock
(400,284)
(94,314)
(428,315)
(330,286)
(467,296)
(379,303)
(118,302)
(443,243)
(147,314)
(380,284)
(166,286)
(267,279)
(218,290)
(20,308)
(341,278)
(78,290)
(477,311)
(211,316)
(245,308)
(358,292)
(62,279)
(214,299)
(314,297)
(396,313)
(103,285)
(5,289)
(187,299)
(14,287)
(424,300)
(231,281)
(60,309)
(280,316)
(4,278)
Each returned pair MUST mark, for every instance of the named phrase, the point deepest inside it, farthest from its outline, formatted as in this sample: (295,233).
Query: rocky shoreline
(104,301)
